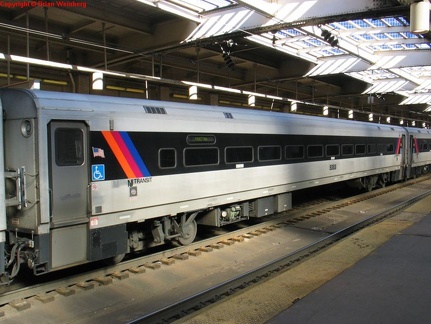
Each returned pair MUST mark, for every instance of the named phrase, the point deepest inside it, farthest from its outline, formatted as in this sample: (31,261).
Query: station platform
(381,274)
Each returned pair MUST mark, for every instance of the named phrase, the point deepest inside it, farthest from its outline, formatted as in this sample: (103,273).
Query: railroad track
(23,298)
(194,303)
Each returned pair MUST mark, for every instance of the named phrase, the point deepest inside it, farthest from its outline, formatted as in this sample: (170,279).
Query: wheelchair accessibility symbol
(98,172)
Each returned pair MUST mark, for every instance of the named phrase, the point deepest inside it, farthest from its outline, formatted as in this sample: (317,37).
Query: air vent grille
(228,115)
(155,110)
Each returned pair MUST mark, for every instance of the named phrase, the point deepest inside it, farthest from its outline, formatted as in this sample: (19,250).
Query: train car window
(390,148)
(372,149)
(332,150)
(167,158)
(381,148)
(201,156)
(360,149)
(239,154)
(269,153)
(294,152)
(69,146)
(314,151)
(347,149)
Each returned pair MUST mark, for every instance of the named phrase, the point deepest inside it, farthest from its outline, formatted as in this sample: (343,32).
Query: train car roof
(243,120)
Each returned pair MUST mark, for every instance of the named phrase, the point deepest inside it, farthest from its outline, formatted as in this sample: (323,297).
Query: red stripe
(126,152)
(416,144)
(397,151)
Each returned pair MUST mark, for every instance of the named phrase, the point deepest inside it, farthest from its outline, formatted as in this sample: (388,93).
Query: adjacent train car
(91,178)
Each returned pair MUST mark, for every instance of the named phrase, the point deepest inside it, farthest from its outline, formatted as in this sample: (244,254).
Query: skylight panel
(403,21)
(423,46)
(384,47)
(380,36)
(346,24)
(210,4)
(356,38)
(326,53)
(305,43)
(394,35)
(375,48)
(393,22)
(337,51)
(375,22)
(292,32)
(410,35)
(361,23)
(410,46)
(420,71)
(366,36)
(316,42)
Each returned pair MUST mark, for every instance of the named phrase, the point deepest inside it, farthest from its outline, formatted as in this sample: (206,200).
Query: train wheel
(114,260)
(368,184)
(189,233)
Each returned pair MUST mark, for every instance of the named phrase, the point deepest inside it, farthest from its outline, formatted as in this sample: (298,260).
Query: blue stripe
(135,154)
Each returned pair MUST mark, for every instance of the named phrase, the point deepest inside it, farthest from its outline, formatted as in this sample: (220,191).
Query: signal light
(328,37)
(228,60)
(325,34)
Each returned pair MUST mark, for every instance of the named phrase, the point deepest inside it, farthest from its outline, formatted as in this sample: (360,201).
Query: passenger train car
(92,178)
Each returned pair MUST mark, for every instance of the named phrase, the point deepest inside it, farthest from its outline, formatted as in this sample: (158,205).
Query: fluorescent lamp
(252,100)
(420,17)
(97,81)
(193,92)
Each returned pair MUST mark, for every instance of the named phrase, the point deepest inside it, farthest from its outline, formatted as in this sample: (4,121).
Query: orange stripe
(118,154)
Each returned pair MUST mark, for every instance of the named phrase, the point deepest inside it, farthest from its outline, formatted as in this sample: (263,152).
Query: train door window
(381,148)
(372,149)
(239,154)
(294,152)
(69,146)
(347,149)
(201,156)
(390,148)
(332,150)
(314,151)
(360,149)
(269,153)
(167,158)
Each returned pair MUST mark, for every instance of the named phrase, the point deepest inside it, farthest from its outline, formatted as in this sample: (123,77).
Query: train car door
(69,173)
(404,157)
(410,158)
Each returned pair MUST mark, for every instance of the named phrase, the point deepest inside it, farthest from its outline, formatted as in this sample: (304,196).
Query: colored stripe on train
(126,154)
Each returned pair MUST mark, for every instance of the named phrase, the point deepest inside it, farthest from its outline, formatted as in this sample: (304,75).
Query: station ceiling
(277,51)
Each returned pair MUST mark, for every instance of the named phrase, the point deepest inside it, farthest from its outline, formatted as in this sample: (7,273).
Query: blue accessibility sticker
(98,172)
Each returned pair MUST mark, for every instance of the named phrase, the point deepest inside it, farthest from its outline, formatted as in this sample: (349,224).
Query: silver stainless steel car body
(86,177)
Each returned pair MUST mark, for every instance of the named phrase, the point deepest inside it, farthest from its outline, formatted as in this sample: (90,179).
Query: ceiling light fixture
(420,17)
